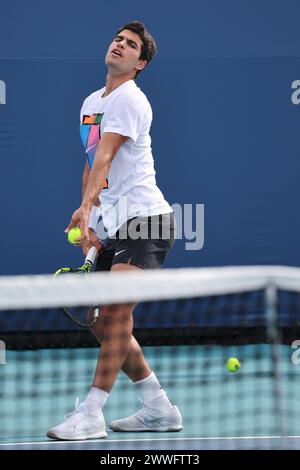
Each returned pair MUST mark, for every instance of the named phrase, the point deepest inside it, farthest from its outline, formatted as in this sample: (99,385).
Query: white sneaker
(79,425)
(148,419)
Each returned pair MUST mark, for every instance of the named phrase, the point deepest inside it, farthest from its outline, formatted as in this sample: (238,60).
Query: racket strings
(81,316)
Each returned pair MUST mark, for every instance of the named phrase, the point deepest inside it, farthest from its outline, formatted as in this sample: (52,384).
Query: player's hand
(80,218)
(93,241)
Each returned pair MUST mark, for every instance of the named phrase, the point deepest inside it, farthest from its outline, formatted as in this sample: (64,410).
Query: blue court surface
(245,410)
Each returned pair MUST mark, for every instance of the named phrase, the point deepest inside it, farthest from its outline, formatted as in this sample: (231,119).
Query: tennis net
(189,322)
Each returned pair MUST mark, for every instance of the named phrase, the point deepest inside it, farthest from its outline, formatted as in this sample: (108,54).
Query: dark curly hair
(149,47)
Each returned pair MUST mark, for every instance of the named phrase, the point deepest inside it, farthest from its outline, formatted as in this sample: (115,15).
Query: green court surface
(247,409)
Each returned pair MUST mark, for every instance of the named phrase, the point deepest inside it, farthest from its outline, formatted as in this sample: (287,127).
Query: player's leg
(116,324)
(135,365)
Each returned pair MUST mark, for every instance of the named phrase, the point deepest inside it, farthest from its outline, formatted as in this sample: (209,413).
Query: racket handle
(91,256)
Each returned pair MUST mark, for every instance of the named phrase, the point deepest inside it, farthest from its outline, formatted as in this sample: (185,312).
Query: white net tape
(105,288)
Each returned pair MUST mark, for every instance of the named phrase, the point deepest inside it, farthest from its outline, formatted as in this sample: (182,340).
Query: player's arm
(93,238)
(85,177)
(106,150)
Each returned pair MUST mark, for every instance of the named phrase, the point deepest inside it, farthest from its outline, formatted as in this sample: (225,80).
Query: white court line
(148,440)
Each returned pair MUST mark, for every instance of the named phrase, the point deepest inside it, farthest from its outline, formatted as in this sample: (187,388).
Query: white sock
(152,394)
(95,399)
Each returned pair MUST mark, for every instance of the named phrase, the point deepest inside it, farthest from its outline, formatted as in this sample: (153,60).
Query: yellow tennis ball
(233,364)
(73,235)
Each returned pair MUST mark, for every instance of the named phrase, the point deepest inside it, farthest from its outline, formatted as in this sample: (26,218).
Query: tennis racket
(85,317)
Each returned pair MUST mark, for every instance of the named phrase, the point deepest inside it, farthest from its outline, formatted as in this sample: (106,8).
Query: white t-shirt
(130,189)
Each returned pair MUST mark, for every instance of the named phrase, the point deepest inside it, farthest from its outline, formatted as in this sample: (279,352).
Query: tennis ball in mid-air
(233,364)
(73,235)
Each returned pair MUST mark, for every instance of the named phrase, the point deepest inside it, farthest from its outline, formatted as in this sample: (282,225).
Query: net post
(274,336)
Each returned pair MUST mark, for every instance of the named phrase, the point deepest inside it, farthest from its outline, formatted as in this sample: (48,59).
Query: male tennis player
(115,125)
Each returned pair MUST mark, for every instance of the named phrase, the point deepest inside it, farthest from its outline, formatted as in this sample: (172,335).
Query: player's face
(123,55)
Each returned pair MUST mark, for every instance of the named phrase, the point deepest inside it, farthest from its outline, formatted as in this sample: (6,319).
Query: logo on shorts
(118,252)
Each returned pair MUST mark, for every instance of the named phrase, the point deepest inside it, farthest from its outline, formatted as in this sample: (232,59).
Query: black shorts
(141,241)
